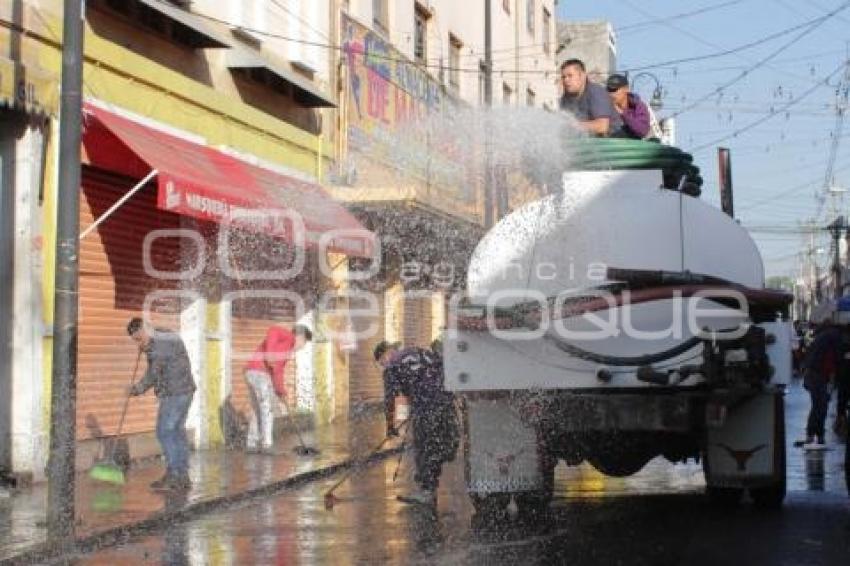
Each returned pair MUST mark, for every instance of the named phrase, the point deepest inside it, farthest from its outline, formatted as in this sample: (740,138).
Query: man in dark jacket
(819,369)
(418,374)
(169,372)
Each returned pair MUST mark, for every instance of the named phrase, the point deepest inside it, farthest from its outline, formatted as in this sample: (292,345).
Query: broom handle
(292,420)
(127,400)
(354,467)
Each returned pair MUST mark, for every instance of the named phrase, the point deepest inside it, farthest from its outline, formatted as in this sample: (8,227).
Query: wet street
(657,517)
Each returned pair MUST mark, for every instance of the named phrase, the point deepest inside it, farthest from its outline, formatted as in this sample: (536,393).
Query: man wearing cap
(587,101)
(418,374)
(634,113)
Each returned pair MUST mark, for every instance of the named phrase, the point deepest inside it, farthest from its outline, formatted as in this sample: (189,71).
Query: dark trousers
(820,403)
(435,441)
(847,447)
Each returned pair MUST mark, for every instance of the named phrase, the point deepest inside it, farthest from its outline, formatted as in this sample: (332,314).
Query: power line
(286,9)
(682,16)
(740,48)
(788,191)
(770,116)
(763,61)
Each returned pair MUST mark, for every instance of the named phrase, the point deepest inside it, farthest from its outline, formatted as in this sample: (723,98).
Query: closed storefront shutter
(113,287)
(366,377)
(417,321)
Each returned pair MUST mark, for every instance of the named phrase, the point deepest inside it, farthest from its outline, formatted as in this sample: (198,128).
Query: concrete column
(394,313)
(192,321)
(30,438)
(217,340)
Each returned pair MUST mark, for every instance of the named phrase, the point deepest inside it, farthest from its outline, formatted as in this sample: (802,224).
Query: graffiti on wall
(398,113)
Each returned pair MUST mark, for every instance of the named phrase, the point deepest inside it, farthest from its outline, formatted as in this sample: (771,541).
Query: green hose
(606,154)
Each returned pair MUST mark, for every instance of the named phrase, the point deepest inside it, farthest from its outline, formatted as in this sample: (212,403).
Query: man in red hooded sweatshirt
(264,374)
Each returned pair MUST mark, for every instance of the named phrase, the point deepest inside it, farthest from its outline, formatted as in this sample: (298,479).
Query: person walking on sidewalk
(842,412)
(265,376)
(418,374)
(169,372)
(819,369)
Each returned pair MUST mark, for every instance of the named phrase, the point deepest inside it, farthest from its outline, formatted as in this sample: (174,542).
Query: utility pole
(489,184)
(63,396)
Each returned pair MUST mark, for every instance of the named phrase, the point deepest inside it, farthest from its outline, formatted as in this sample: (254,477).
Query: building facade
(242,162)
(595,43)
(203,155)
(412,84)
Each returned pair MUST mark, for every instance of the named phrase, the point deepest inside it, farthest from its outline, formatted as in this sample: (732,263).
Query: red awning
(208,184)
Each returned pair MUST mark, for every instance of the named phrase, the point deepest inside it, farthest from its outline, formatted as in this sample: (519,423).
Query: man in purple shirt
(633,111)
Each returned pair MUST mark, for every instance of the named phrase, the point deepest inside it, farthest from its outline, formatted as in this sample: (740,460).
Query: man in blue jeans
(169,372)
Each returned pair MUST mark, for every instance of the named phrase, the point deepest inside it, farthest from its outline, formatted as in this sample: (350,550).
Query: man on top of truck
(587,101)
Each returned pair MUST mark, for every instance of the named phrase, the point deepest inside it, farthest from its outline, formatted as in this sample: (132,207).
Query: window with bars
(380,15)
(420,34)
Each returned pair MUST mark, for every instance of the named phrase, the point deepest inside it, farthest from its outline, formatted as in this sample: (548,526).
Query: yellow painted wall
(214,375)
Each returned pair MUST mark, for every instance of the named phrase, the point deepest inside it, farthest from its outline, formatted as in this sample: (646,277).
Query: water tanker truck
(619,319)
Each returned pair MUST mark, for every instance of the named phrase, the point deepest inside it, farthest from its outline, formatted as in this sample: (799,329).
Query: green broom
(108,470)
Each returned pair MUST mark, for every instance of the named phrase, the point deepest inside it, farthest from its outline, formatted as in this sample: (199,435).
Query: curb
(118,535)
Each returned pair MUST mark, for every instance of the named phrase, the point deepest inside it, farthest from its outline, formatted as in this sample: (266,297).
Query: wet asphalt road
(657,517)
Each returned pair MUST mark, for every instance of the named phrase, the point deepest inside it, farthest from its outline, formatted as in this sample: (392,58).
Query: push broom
(302,449)
(330,498)
(108,470)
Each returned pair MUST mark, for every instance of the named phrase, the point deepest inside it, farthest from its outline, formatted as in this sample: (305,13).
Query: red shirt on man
(272,354)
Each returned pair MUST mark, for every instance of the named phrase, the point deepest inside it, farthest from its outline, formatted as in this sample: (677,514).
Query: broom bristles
(107,473)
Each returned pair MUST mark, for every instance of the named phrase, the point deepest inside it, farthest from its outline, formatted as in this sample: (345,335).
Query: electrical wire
(770,116)
(681,16)
(762,62)
(740,48)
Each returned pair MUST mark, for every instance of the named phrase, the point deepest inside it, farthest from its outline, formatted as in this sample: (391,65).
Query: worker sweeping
(265,377)
(169,372)
(418,374)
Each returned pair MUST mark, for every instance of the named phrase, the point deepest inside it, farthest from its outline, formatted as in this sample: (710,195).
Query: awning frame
(105,216)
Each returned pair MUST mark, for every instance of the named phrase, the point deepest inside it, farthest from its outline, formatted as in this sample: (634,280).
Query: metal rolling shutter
(113,286)
(417,321)
(366,384)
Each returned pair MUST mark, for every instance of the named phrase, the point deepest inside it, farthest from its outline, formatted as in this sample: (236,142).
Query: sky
(775,102)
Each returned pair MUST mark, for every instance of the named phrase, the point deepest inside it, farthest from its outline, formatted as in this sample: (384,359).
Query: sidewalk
(108,514)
